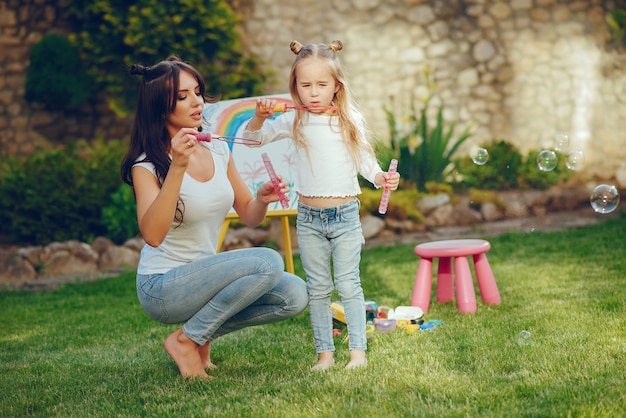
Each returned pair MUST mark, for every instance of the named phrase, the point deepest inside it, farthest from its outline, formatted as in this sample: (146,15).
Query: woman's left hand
(266,193)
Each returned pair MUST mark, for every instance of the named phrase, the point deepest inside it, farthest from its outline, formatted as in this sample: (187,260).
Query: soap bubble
(480,156)
(575,160)
(561,142)
(546,160)
(524,337)
(604,198)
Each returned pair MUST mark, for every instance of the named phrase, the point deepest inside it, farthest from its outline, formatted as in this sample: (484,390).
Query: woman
(184,189)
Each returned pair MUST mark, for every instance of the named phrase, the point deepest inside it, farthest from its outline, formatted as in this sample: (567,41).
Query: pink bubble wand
(384,200)
(283,107)
(208,137)
(274,179)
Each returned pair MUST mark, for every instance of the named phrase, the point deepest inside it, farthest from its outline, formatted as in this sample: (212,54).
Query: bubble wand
(283,107)
(275,182)
(384,200)
(208,137)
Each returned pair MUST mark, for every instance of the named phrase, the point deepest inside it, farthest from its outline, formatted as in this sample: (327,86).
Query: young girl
(331,148)
(184,189)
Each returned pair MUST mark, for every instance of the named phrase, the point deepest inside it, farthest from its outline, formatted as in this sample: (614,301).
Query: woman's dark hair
(156,100)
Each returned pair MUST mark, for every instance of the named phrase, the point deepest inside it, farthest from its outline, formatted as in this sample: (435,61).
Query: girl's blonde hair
(346,107)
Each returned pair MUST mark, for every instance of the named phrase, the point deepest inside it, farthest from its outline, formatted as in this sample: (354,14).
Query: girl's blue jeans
(333,233)
(223,293)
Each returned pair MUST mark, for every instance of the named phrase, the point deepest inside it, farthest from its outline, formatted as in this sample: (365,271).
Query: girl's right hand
(265,107)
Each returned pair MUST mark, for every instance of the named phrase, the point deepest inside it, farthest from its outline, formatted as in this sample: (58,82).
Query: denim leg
(346,254)
(335,232)
(206,293)
(286,300)
(315,256)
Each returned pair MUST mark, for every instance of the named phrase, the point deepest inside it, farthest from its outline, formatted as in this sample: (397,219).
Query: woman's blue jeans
(223,293)
(324,233)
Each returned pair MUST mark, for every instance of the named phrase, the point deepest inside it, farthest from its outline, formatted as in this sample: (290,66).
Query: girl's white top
(206,206)
(330,170)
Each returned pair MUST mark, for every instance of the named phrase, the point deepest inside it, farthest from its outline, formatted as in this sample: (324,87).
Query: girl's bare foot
(205,356)
(185,354)
(357,359)
(325,361)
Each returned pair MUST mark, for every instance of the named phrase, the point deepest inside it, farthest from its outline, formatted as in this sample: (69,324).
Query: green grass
(88,349)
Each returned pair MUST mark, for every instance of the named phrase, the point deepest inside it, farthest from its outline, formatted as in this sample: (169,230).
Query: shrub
(112,35)
(499,173)
(120,217)
(55,76)
(530,177)
(58,195)
(507,169)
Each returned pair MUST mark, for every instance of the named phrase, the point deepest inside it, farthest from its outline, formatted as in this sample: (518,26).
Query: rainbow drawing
(229,116)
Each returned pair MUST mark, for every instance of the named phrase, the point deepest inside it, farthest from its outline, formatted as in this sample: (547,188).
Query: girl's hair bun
(336,45)
(295,47)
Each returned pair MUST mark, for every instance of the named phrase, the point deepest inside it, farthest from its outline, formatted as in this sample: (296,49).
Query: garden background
(437,80)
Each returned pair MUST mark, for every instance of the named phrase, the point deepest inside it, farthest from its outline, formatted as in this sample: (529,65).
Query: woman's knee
(298,294)
(274,260)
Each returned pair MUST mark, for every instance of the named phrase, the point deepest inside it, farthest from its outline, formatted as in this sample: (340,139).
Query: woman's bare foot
(205,356)
(357,359)
(185,354)
(326,361)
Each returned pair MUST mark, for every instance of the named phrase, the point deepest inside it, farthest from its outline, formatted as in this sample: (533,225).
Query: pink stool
(459,249)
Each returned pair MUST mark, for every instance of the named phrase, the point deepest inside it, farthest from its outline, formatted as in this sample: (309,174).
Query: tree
(56,77)
(113,34)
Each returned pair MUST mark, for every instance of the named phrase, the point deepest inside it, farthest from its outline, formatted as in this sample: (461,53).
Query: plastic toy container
(385,325)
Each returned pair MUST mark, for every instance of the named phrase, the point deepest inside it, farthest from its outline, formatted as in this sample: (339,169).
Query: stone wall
(24,126)
(520,70)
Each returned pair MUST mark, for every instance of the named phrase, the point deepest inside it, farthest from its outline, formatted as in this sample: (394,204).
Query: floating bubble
(604,198)
(575,160)
(561,142)
(524,337)
(546,160)
(480,156)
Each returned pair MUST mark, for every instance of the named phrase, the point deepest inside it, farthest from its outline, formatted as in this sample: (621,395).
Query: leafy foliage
(424,152)
(507,169)
(56,77)
(499,173)
(114,34)
(120,217)
(616,22)
(58,195)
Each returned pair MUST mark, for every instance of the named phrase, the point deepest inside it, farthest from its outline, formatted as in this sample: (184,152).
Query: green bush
(112,35)
(120,217)
(55,76)
(501,171)
(530,177)
(507,169)
(58,195)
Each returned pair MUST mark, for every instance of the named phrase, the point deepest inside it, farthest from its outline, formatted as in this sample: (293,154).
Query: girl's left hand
(389,181)
(266,193)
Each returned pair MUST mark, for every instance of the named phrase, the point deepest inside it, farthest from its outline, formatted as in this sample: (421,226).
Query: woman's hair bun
(138,69)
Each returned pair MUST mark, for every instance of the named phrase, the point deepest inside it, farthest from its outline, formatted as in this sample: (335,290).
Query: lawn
(88,350)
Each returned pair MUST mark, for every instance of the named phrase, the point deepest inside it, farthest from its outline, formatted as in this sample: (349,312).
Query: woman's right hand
(182,145)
